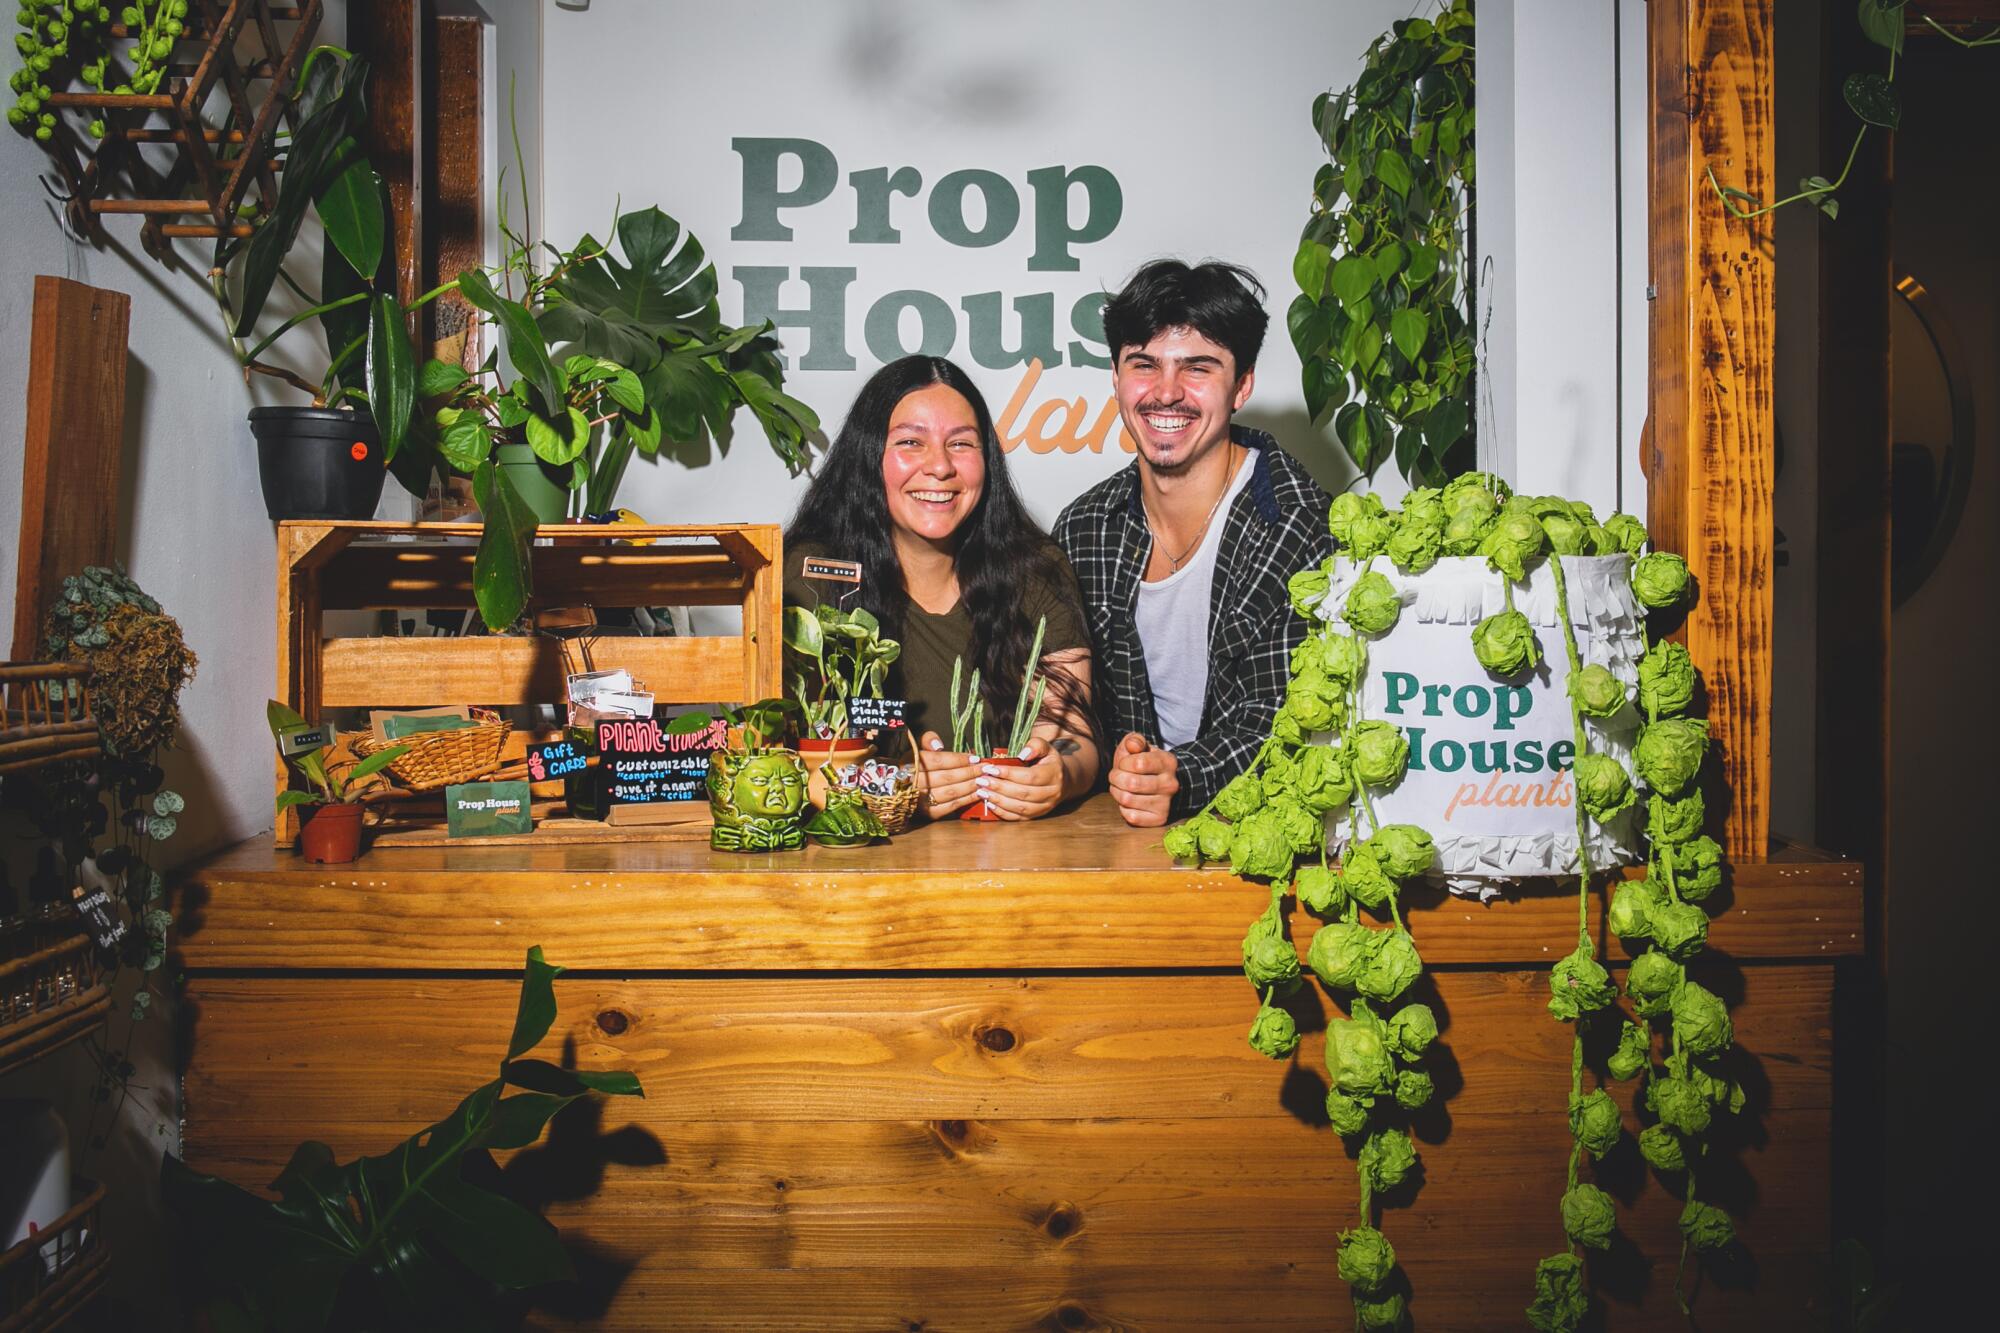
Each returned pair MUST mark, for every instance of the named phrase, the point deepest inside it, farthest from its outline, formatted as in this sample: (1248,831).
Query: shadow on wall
(1314,450)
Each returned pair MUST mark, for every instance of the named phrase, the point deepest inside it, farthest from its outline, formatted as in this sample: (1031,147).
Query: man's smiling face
(1176,395)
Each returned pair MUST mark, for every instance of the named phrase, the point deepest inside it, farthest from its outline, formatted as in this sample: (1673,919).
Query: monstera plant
(406,1240)
(606,357)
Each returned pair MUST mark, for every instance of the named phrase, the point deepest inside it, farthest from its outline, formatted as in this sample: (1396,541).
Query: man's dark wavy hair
(1224,303)
(1001,549)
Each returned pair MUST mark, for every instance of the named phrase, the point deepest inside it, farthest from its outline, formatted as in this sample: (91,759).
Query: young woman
(915,491)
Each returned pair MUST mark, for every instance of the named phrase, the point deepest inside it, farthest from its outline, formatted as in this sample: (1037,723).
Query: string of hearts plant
(1325,758)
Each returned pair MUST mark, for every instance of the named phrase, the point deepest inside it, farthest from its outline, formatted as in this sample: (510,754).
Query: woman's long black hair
(1001,549)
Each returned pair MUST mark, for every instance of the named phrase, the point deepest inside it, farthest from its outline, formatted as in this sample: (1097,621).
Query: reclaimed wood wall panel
(1710,428)
(74,445)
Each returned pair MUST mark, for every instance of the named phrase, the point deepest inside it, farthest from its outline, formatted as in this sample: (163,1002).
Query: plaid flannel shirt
(1275,527)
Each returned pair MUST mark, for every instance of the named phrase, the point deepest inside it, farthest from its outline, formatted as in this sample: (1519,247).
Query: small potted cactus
(968,720)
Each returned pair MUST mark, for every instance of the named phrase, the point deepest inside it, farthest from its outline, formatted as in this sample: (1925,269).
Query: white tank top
(1172,620)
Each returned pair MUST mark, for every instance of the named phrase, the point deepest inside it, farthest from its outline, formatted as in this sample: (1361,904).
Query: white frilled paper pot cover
(1481,780)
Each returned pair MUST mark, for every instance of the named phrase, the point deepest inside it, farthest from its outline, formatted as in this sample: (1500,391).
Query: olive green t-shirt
(931,643)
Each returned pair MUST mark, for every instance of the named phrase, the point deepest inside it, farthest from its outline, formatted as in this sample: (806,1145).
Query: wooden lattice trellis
(215,163)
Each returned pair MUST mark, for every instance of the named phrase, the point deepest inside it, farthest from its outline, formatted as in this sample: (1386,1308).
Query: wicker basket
(45,715)
(49,1278)
(443,758)
(52,988)
(900,806)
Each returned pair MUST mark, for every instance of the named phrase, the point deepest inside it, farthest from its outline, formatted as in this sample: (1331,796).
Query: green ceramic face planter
(757,800)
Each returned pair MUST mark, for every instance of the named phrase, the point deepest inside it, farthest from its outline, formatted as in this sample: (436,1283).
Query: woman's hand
(949,777)
(1027,792)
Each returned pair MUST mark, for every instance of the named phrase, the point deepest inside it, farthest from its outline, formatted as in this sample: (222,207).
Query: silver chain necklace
(1176,561)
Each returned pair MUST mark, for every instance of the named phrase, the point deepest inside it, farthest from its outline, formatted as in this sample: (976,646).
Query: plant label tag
(875,714)
(832,571)
(556,759)
(487,809)
(295,741)
(95,909)
(646,763)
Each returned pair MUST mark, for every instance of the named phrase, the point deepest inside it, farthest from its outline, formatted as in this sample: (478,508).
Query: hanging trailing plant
(1382,267)
(1325,759)
(59,38)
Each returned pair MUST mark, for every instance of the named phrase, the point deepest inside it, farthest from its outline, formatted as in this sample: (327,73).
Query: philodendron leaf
(1871,97)
(1407,329)
(286,1257)
(1309,267)
(558,442)
(537,1011)
(1352,277)
(1882,22)
(436,378)
(526,347)
(500,571)
(392,372)
(350,208)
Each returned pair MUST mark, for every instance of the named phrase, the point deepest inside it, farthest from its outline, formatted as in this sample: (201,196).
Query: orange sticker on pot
(359,451)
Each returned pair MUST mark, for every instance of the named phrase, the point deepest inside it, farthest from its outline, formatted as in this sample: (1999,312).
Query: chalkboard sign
(875,714)
(95,909)
(644,764)
(557,759)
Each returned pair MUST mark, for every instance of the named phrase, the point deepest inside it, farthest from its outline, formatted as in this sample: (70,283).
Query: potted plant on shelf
(756,788)
(836,656)
(331,832)
(327,459)
(968,720)
(608,358)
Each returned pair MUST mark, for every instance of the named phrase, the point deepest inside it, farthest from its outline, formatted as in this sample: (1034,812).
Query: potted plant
(836,656)
(968,720)
(331,832)
(327,459)
(607,357)
(756,789)
(415,1238)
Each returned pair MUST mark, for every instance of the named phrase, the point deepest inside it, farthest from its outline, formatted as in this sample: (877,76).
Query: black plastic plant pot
(318,462)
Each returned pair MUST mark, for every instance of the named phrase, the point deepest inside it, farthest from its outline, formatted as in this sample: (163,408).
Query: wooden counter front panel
(998,1153)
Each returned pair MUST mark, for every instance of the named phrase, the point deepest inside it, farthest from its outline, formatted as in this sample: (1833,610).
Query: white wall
(1561,221)
(941,87)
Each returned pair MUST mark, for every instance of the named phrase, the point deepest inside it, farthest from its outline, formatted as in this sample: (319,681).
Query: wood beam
(455,186)
(390,34)
(75,442)
(1708,450)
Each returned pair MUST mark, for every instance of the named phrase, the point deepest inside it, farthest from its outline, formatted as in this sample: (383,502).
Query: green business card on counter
(487,809)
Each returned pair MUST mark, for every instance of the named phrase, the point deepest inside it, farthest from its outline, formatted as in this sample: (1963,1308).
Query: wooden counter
(987,1077)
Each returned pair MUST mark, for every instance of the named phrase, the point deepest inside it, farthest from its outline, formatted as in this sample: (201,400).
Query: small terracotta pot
(979,809)
(838,754)
(331,834)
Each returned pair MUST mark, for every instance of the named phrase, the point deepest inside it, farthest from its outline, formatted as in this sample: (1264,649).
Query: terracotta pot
(331,834)
(836,753)
(981,810)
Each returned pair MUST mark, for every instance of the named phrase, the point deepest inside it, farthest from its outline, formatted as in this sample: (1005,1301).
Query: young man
(1183,556)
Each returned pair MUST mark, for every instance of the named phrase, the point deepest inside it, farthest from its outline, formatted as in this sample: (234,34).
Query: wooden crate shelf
(361,566)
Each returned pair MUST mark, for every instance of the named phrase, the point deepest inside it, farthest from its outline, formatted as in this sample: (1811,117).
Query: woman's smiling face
(932,465)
